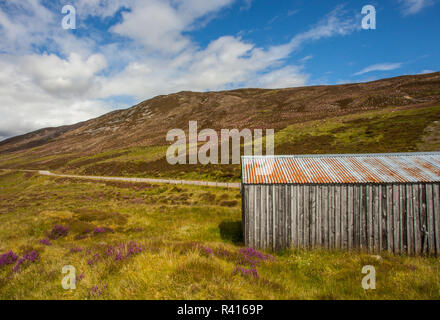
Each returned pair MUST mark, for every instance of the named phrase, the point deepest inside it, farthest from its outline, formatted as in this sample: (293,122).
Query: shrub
(102,230)
(29,257)
(58,231)
(46,242)
(8,258)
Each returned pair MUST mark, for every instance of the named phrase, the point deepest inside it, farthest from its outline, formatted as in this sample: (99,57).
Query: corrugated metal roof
(342,168)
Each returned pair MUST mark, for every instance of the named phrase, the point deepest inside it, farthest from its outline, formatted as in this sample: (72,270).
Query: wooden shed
(373,202)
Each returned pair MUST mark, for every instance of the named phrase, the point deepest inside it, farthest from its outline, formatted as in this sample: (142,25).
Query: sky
(122,52)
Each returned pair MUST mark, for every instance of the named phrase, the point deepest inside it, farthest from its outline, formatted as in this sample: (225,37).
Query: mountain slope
(132,141)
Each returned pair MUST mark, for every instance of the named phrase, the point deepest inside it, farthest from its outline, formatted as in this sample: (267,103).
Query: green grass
(172,223)
(388,130)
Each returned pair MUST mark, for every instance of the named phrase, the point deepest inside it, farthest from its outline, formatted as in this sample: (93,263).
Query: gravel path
(147,180)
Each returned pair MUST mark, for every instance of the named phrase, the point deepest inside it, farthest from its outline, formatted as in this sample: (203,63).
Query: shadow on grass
(232,231)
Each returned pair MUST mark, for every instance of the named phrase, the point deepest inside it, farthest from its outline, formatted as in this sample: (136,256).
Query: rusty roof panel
(342,168)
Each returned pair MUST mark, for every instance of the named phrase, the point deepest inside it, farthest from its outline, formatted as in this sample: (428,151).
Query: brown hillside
(147,123)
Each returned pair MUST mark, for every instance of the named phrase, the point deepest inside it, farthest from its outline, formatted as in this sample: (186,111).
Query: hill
(362,117)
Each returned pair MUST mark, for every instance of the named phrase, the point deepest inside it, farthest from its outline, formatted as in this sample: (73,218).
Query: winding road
(144,180)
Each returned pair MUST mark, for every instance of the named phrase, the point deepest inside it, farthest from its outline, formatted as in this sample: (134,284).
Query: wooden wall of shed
(401,218)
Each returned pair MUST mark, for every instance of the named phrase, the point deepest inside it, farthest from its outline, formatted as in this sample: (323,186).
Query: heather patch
(46,242)
(120,252)
(58,231)
(252,257)
(75,250)
(246,272)
(101,230)
(97,291)
(246,259)
(8,258)
(80,278)
(28,258)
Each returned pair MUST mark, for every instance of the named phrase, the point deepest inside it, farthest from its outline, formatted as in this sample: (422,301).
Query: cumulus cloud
(73,77)
(411,7)
(380,67)
(159,24)
(227,62)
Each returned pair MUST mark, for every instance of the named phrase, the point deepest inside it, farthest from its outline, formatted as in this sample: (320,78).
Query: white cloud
(225,63)
(306,58)
(336,23)
(70,82)
(380,67)
(163,22)
(426,71)
(73,77)
(411,7)
(26,106)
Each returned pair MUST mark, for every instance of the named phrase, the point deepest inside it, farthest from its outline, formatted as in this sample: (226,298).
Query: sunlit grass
(192,248)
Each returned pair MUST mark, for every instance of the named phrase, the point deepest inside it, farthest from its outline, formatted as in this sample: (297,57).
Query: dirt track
(147,180)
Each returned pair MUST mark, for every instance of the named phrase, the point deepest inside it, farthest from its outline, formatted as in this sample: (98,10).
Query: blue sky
(125,51)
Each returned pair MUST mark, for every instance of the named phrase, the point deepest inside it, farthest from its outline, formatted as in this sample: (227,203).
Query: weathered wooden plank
(381,226)
(294,240)
(282,219)
(331,223)
(307,216)
(318,216)
(418,239)
(436,202)
(370,218)
(245,215)
(286,204)
(350,210)
(423,219)
(363,217)
(356,217)
(312,206)
(390,218)
(287,216)
(301,216)
(298,216)
(430,219)
(278,225)
(338,216)
(257,215)
(409,220)
(375,214)
(270,217)
(262,220)
(370,230)
(402,219)
(396,219)
(251,215)
(325,216)
(344,217)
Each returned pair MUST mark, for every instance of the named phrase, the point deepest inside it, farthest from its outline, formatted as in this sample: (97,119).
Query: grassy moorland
(141,241)
(393,129)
